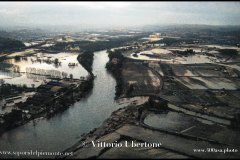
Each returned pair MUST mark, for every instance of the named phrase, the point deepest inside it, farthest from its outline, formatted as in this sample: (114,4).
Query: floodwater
(63,130)
(35,68)
(169,58)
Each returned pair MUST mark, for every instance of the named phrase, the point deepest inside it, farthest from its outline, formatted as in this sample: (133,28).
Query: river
(64,129)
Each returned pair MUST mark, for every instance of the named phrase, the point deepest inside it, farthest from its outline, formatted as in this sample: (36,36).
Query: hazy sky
(119,13)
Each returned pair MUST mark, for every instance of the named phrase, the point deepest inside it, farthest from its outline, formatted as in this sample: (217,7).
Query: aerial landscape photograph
(129,80)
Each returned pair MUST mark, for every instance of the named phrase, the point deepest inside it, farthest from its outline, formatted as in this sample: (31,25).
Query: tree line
(114,66)
(10,44)
(86,60)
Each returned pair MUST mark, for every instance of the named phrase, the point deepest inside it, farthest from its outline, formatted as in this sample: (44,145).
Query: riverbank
(50,98)
(126,115)
(63,130)
(132,124)
(61,94)
(134,78)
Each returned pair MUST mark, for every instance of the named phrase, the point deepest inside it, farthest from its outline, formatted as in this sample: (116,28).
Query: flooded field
(167,57)
(180,55)
(41,66)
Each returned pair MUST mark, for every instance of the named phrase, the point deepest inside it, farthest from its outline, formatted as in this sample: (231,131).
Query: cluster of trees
(188,52)
(7,44)
(52,73)
(86,60)
(169,41)
(43,72)
(86,86)
(14,116)
(5,66)
(16,68)
(115,54)
(129,90)
(155,102)
(115,69)
(8,89)
(228,52)
(135,55)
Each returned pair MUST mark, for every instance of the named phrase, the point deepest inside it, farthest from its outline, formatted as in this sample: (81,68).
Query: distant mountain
(195,27)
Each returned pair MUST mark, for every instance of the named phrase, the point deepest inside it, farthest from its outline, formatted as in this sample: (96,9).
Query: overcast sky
(119,13)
